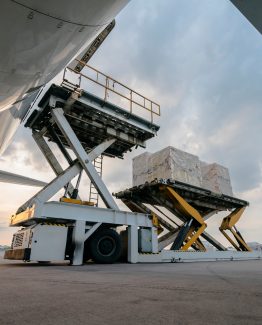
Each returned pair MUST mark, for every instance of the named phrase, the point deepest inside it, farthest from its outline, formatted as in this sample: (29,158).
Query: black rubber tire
(124,241)
(87,254)
(105,246)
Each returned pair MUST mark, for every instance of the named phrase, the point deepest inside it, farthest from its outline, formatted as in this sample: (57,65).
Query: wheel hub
(106,245)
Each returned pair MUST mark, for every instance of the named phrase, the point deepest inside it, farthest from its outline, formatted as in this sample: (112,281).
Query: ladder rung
(93,194)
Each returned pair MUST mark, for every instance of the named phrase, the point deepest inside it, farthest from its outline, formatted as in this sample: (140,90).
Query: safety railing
(75,80)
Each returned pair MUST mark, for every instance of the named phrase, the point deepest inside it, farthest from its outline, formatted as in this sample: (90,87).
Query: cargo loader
(86,128)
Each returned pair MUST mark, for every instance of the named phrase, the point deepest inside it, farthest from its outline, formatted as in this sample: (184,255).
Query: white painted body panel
(38,39)
(48,243)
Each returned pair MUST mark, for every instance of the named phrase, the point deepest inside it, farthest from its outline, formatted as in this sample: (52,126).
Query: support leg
(79,242)
(132,244)
(154,240)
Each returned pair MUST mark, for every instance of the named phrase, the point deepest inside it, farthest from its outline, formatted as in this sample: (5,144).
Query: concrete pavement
(180,293)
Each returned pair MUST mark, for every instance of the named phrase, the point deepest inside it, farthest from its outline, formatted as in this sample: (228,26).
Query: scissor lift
(168,201)
(90,127)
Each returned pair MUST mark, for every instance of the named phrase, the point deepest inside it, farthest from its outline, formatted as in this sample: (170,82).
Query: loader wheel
(105,246)
(87,253)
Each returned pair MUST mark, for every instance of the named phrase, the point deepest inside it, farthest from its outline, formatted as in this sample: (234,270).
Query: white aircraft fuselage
(37,40)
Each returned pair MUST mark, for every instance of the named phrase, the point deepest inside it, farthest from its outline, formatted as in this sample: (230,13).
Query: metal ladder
(93,193)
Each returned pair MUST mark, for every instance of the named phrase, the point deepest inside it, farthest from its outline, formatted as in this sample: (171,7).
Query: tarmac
(178,293)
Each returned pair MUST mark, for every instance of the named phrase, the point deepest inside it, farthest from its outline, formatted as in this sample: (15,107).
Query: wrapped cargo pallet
(216,178)
(167,163)
(178,165)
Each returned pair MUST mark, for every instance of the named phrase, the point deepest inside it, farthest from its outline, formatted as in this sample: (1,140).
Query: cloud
(201,61)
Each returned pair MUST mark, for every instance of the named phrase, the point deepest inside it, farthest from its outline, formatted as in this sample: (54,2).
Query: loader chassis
(81,123)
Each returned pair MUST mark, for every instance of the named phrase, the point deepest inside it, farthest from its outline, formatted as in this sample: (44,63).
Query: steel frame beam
(167,239)
(213,241)
(167,256)
(63,179)
(51,159)
(84,159)
(52,188)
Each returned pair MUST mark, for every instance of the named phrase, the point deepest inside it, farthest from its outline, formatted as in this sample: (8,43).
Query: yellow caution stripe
(75,201)
(53,224)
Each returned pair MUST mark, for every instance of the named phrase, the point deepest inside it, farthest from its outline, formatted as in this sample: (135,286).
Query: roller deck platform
(201,199)
(184,225)
(93,120)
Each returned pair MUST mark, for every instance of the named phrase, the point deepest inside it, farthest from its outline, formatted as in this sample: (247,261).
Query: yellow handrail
(153,108)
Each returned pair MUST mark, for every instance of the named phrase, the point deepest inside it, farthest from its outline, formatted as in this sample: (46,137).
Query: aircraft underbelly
(11,118)
(37,40)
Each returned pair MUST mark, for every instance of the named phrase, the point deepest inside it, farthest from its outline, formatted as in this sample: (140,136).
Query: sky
(201,61)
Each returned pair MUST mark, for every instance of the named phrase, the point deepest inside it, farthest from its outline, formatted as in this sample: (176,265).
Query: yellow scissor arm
(193,227)
(229,223)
